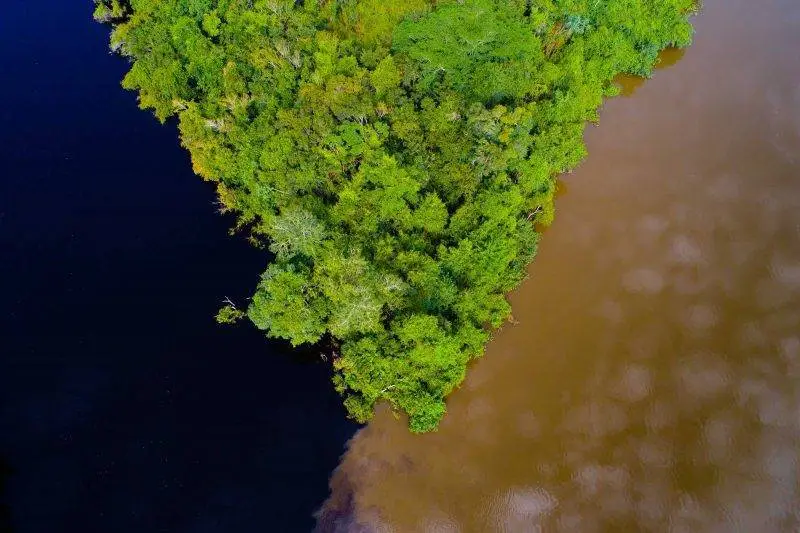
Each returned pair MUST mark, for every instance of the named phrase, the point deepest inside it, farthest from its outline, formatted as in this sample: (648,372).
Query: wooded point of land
(396,158)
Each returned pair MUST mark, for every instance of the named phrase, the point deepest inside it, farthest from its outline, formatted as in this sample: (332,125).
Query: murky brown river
(652,380)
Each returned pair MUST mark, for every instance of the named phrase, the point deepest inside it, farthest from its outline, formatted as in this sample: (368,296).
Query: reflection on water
(652,380)
(667,58)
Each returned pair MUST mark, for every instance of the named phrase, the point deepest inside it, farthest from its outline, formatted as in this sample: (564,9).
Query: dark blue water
(123,406)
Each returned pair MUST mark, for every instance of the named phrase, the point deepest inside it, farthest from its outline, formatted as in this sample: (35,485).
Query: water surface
(123,406)
(651,380)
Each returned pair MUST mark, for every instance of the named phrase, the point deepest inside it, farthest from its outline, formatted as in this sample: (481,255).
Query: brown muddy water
(651,381)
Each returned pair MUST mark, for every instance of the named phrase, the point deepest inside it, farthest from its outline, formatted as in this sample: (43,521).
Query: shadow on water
(628,86)
(667,58)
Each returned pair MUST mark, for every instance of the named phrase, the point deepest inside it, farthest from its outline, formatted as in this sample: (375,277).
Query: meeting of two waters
(650,380)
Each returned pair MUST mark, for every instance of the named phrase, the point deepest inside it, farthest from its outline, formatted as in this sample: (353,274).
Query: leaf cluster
(397,158)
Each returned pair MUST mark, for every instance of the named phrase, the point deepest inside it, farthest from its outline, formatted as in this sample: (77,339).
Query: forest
(397,159)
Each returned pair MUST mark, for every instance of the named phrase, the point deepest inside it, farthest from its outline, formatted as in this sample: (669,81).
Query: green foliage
(113,10)
(229,315)
(483,49)
(396,157)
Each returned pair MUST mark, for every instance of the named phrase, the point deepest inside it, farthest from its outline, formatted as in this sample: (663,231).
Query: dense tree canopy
(397,157)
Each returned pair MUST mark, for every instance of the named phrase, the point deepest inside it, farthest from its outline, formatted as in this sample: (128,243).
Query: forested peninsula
(398,158)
